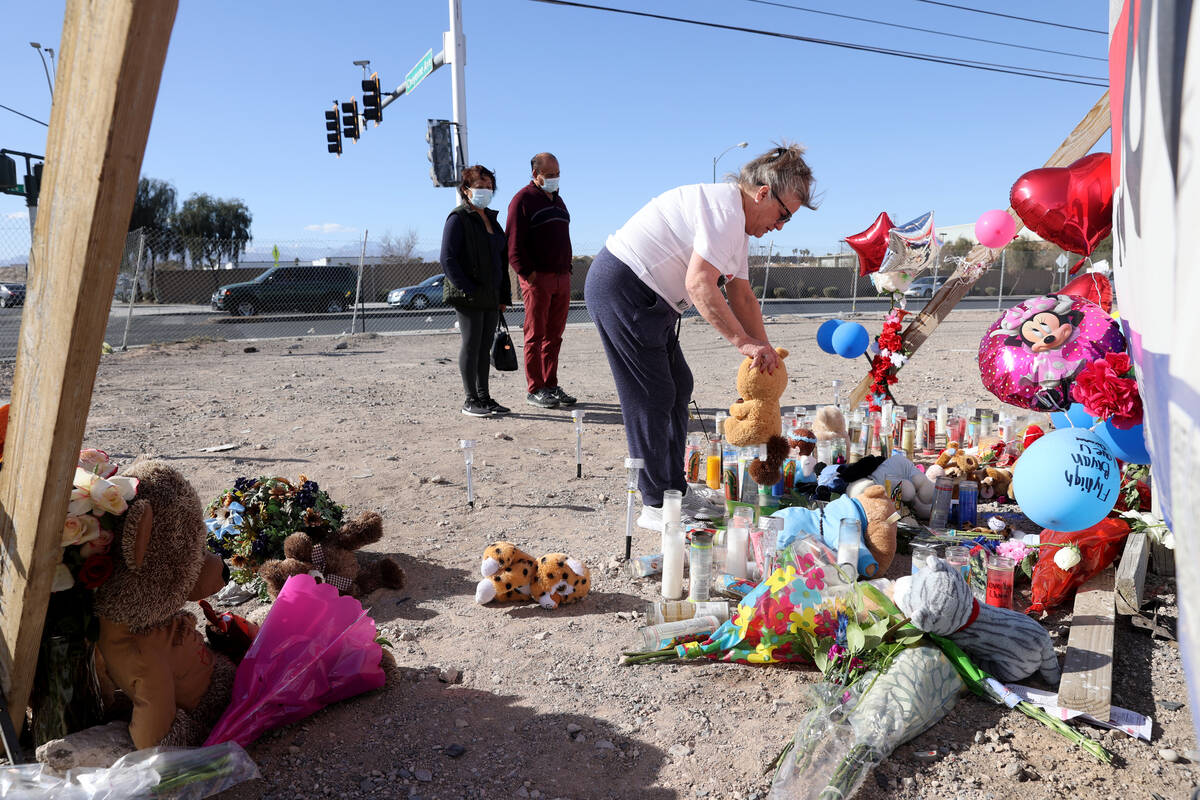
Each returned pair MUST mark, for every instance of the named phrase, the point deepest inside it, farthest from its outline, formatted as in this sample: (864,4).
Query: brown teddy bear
(756,416)
(148,646)
(332,559)
(508,573)
(996,484)
(560,579)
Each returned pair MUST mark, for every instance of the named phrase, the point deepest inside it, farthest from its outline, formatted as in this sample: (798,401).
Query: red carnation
(95,570)
(1106,395)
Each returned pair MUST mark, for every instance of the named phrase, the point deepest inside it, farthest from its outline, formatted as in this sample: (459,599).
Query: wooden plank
(1131,574)
(1087,670)
(110,62)
(1089,130)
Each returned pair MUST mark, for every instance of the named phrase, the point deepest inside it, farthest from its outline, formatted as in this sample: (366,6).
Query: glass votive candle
(943,491)
(959,558)
(921,552)
(1000,581)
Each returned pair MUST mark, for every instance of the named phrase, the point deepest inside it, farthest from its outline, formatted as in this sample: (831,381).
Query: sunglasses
(786,215)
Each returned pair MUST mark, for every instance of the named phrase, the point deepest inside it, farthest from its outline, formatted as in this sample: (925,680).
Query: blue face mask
(481,198)
(550,185)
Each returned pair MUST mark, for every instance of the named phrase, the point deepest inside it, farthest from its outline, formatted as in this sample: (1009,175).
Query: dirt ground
(542,709)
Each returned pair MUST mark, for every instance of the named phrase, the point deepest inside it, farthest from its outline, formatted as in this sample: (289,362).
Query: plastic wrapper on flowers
(159,772)
(314,648)
(852,730)
(799,596)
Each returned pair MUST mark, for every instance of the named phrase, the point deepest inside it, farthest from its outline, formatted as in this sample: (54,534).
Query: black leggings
(478,327)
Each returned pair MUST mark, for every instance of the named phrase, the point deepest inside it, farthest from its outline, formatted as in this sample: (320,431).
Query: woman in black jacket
(475,260)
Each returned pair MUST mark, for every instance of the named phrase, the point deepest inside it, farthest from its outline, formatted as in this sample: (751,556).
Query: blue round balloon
(1067,480)
(1127,444)
(851,340)
(825,335)
(1074,417)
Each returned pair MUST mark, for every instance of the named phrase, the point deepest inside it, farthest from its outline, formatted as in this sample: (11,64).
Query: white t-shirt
(657,242)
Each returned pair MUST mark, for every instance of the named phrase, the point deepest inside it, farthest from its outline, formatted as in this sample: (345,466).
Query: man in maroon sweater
(539,250)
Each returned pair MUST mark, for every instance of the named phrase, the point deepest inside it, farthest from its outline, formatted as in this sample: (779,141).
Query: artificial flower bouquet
(66,691)
(248,522)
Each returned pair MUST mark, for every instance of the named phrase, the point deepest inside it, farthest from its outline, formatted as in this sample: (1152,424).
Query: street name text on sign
(419,72)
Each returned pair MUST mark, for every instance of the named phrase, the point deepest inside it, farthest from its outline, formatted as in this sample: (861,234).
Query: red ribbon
(972,618)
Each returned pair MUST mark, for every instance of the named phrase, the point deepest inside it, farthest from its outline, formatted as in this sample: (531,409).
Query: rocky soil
(520,702)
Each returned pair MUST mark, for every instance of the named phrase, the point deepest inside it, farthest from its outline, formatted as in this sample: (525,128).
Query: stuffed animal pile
(511,575)
(913,486)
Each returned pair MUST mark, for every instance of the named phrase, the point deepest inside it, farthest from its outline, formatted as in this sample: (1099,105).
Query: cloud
(17,215)
(330,227)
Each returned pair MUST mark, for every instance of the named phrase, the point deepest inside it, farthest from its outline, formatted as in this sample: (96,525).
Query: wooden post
(1074,147)
(1131,574)
(110,62)
(1087,668)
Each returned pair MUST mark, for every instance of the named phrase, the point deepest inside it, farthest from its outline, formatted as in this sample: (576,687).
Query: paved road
(151,323)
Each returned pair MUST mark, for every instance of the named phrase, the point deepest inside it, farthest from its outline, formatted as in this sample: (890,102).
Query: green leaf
(855,639)
(909,639)
(821,660)
(871,642)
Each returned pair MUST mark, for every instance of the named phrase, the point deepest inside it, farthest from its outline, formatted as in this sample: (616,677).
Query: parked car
(926,286)
(426,293)
(328,289)
(12,294)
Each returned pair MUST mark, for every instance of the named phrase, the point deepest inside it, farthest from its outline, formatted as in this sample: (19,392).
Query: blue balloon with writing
(1067,480)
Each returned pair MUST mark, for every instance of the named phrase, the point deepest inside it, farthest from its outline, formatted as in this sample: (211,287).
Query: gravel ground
(516,701)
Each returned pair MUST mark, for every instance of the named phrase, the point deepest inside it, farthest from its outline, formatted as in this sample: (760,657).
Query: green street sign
(419,72)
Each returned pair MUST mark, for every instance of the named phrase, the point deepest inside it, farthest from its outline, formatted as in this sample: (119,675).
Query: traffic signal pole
(454,45)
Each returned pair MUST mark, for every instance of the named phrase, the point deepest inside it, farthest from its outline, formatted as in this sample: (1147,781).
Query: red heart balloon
(871,244)
(1069,206)
(1094,287)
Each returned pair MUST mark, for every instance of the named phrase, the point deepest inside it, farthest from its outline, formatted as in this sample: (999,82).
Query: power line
(26,116)
(960,62)
(926,30)
(1011,16)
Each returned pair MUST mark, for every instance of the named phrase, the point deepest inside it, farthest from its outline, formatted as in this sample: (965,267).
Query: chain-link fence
(172,288)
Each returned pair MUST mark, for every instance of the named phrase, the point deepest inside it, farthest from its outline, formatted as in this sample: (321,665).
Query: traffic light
(372,99)
(333,131)
(8,173)
(441,152)
(350,126)
(33,185)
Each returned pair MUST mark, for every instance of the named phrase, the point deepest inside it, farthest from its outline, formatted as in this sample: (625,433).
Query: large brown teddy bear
(331,558)
(149,647)
(756,416)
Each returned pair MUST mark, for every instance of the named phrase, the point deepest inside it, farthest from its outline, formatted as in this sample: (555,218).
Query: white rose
(85,479)
(81,502)
(78,530)
(1168,540)
(127,486)
(62,579)
(96,462)
(107,496)
(1067,557)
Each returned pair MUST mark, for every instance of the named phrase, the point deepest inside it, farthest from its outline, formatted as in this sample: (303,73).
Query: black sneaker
(562,397)
(494,407)
(542,398)
(474,408)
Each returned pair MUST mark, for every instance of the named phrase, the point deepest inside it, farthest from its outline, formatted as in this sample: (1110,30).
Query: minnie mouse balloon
(871,244)
(1069,206)
(1031,355)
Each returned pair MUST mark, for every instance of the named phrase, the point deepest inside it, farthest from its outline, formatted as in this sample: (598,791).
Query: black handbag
(504,356)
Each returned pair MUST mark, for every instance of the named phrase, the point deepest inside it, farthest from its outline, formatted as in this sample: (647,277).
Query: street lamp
(37,46)
(739,145)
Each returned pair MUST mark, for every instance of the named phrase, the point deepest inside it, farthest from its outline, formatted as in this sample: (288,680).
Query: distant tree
(153,210)
(212,230)
(398,249)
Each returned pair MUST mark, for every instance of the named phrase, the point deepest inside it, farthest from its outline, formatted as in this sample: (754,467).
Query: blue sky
(631,107)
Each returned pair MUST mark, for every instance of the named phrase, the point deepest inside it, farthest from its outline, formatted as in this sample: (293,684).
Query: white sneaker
(651,518)
(699,500)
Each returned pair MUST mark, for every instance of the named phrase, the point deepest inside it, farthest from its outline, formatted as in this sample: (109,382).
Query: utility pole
(454,45)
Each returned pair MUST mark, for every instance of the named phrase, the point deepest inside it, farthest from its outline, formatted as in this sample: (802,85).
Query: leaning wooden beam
(1131,574)
(1074,147)
(110,62)
(1087,669)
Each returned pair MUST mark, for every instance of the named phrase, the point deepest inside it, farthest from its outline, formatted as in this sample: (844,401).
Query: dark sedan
(12,294)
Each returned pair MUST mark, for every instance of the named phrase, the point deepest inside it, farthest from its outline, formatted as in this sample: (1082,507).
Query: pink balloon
(995,229)
(1068,334)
